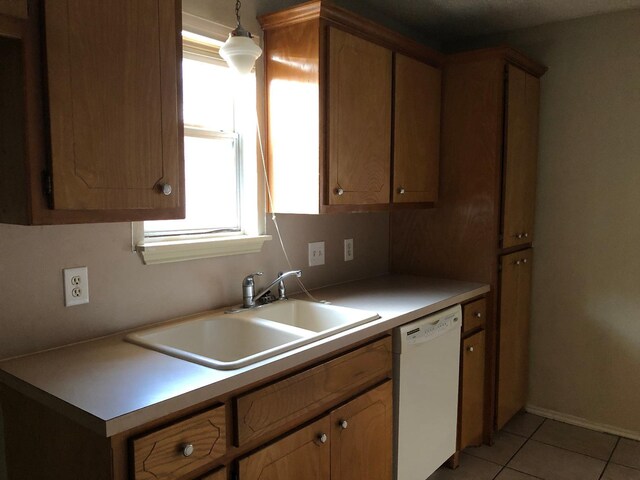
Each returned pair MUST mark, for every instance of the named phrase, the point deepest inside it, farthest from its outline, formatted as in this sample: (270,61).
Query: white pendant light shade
(240,52)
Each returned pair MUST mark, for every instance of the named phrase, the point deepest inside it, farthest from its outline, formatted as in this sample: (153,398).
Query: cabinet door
(472,391)
(304,454)
(14,8)
(416,148)
(114,102)
(521,154)
(361,440)
(359,120)
(513,354)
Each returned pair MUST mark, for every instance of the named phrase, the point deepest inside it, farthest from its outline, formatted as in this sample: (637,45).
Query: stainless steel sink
(230,341)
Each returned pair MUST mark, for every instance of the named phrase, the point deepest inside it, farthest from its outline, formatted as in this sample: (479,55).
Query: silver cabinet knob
(470,348)
(166,189)
(519,235)
(339,191)
(401,190)
(524,260)
(343,424)
(187,449)
(322,438)
(517,262)
(478,315)
(526,235)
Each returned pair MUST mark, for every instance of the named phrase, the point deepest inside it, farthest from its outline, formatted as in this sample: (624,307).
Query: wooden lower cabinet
(303,454)
(362,436)
(217,475)
(353,441)
(472,391)
(513,331)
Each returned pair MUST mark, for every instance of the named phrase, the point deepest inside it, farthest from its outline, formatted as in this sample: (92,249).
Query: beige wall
(124,293)
(585,331)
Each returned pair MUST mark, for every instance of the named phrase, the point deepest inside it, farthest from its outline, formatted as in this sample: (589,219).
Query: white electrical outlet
(348,249)
(316,254)
(76,286)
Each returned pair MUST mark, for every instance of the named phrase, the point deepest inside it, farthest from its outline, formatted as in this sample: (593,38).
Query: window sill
(181,250)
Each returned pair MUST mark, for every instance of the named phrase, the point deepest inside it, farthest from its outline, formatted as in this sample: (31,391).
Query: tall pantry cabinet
(482,228)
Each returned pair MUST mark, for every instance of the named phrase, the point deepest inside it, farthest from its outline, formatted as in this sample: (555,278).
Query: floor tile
(553,463)
(508,474)
(471,468)
(577,439)
(627,453)
(618,472)
(504,448)
(523,424)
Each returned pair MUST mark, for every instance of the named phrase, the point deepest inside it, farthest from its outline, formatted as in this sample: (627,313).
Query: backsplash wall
(125,294)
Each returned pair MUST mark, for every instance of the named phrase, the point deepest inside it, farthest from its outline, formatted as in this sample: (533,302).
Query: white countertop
(110,385)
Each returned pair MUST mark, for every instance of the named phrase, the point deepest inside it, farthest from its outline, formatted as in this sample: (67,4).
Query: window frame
(181,247)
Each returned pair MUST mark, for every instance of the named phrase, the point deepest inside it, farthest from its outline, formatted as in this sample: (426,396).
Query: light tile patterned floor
(531,447)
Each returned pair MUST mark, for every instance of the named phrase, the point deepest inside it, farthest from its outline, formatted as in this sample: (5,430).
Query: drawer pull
(477,315)
(166,189)
(401,190)
(343,424)
(339,191)
(470,348)
(322,438)
(187,449)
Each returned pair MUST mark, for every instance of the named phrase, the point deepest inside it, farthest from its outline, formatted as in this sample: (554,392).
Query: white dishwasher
(426,371)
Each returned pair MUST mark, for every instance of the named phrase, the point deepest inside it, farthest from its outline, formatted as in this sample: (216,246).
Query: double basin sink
(234,340)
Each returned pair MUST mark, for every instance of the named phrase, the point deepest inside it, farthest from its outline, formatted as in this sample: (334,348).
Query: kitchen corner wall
(585,328)
(125,294)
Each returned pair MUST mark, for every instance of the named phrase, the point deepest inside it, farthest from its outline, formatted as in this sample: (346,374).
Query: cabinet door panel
(297,456)
(14,8)
(416,155)
(521,154)
(359,120)
(114,100)
(513,355)
(364,448)
(472,391)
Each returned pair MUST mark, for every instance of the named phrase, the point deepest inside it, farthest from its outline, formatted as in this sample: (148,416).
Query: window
(220,163)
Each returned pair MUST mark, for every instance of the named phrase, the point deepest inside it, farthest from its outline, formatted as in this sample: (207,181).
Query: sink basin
(316,317)
(230,341)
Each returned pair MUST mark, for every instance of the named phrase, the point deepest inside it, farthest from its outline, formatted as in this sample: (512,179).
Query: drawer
(302,395)
(161,455)
(474,315)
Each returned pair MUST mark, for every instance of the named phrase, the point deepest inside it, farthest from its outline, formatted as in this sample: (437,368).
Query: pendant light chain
(238,4)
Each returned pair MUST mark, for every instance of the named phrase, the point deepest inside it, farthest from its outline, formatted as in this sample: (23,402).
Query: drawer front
(162,455)
(474,315)
(297,397)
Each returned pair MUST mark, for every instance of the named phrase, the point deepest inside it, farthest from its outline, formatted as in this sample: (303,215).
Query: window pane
(211,187)
(208,95)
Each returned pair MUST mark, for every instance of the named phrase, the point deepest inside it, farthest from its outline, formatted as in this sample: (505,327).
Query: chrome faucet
(249,296)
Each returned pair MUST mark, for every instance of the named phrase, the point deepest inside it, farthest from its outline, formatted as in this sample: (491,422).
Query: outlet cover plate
(76,286)
(316,254)
(348,249)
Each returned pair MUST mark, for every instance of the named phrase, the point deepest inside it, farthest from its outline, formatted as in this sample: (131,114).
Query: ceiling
(450,19)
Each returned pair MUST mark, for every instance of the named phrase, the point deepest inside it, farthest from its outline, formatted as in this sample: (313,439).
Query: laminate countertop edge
(110,386)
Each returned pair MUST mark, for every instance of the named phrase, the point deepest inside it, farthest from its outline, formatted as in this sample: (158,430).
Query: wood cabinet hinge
(47,187)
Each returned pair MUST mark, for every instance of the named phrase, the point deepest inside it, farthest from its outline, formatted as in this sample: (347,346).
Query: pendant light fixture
(240,51)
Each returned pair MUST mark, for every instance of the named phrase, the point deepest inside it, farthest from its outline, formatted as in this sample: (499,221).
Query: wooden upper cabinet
(416,154)
(329,80)
(521,155)
(513,334)
(114,99)
(14,8)
(362,436)
(359,115)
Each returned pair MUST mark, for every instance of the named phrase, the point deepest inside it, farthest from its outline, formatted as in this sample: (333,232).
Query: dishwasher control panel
(432,326)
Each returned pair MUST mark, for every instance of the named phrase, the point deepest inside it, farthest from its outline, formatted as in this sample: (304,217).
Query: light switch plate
(76,286)
(316,254)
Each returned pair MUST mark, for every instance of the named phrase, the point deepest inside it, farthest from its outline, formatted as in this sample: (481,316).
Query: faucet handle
(248,280)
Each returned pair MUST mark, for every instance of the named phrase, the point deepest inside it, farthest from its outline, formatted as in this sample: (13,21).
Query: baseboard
(582,422)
